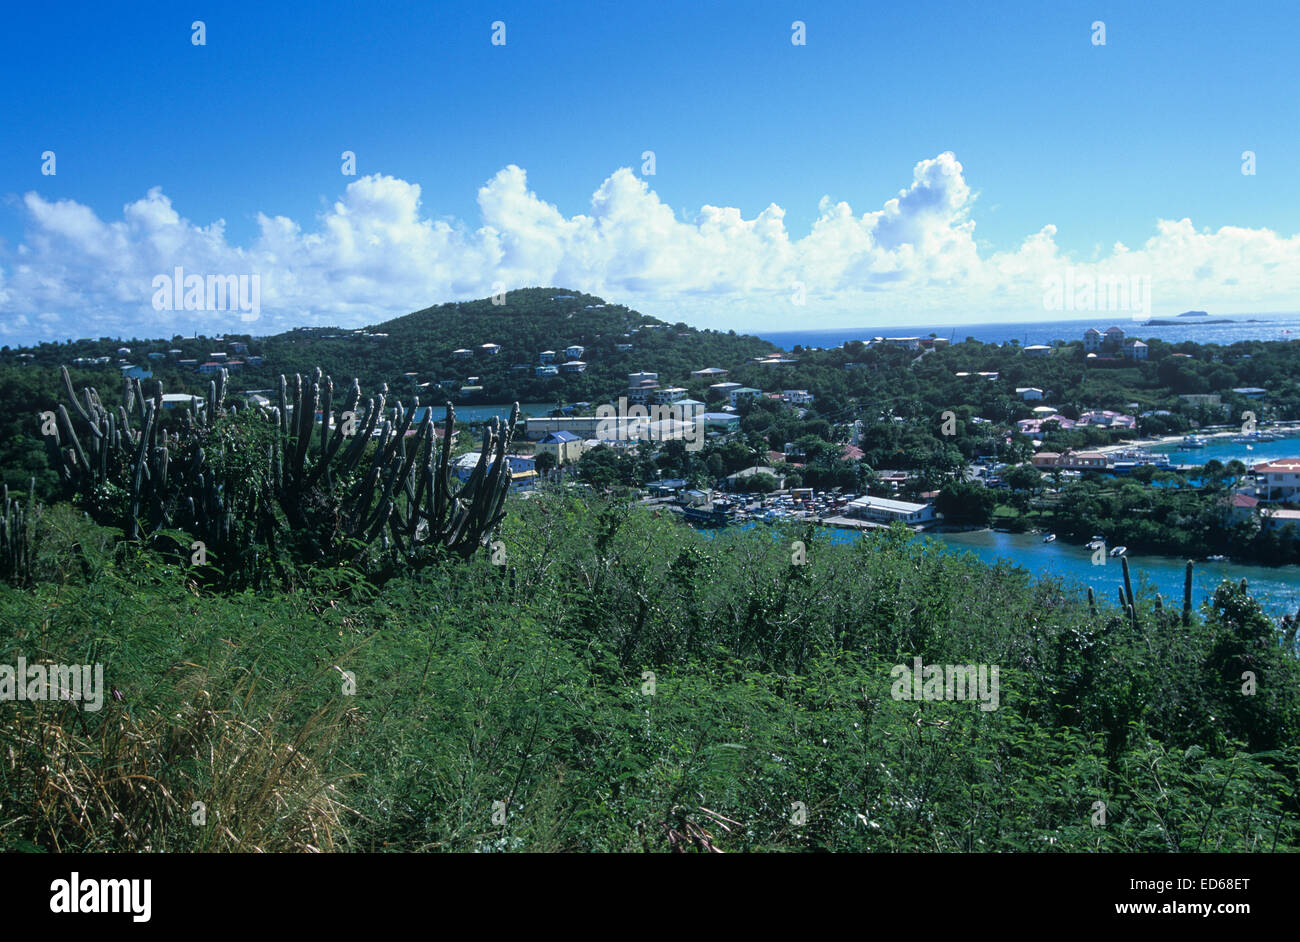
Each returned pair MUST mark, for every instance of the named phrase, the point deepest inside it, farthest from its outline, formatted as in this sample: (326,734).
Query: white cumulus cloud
(377,252)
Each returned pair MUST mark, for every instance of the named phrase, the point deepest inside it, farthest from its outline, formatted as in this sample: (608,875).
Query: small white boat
(1049,538)
(1119,551)
(1216,559)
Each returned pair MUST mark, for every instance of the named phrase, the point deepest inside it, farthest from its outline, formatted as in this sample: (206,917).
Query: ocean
(1243,327)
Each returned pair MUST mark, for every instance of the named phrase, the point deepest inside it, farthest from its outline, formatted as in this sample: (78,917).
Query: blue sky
(1048,129)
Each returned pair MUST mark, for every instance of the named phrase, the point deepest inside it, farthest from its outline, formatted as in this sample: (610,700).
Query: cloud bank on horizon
(376,253)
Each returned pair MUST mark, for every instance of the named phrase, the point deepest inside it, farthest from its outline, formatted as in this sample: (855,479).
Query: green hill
(531,321)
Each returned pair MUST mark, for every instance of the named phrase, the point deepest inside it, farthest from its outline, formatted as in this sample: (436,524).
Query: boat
(1194,441)
(1119,551)
(1217,559)
(1049,538)
(707,516)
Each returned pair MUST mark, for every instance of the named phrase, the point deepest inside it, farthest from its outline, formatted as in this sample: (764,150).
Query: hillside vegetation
(623,684)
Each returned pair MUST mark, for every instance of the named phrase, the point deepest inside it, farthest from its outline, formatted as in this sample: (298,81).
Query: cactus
(15,540)
(396,509)
(1127,601)
(1092,601)
(1187,595)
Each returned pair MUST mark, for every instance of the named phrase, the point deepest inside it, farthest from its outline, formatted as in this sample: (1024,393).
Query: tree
(966,502)
(545,463)
(1024,477)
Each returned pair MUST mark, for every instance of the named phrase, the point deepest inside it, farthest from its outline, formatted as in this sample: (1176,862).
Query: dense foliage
(625,683)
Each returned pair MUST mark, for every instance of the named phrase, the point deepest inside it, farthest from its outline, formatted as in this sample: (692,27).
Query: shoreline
(1176,439)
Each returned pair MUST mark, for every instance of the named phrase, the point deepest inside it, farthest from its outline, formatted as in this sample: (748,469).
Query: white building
(885,510)
(668,395)
(640,386)
(1279,480)
(1029,393)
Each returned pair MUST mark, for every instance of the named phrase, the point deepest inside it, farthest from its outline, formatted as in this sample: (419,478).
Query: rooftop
(884,503)
(1280,466)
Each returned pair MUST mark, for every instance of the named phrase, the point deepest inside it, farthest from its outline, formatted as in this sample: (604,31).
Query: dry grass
(126,781)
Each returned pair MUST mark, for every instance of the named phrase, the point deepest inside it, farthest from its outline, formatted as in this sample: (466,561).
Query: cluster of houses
(216,361)
(1277,482)
(547,364)
(1111,344)
(1096,418)
(907,343)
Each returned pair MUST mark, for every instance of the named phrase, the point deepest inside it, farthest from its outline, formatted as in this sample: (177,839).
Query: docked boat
(708,516)
(1217,559)
(1051,537)
(1119,551)
(1194,441)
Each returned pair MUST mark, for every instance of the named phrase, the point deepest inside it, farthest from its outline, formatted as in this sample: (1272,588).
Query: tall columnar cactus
(15,540)
(370,480)
(1187,594)
(1128,592)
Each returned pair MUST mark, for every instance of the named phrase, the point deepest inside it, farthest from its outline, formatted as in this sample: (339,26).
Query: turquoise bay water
(1226,451)
(1276,588)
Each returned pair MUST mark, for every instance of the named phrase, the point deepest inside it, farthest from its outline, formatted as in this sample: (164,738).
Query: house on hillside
(565,446)
(668,395)
(1135,350)
(739,480)
(641,386)
(1278,480)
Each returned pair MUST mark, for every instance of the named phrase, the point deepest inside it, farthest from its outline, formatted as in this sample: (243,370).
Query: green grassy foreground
(512,708)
